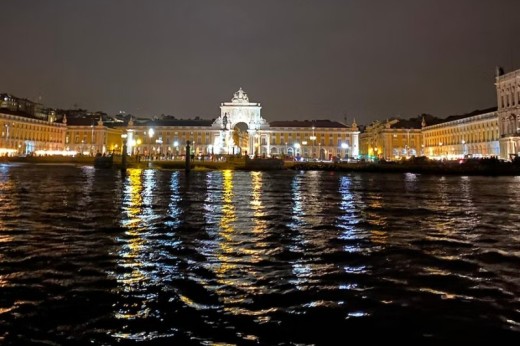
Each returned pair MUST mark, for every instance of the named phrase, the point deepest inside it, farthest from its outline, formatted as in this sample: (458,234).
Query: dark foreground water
(90,256)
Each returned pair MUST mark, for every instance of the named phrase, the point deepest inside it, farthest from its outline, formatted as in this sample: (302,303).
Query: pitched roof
(308,123)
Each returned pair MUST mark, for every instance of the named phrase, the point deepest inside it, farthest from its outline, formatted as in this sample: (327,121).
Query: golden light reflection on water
(244,245)
(228,210)
(133,244)
(256,202)
(259,227)
(226,225)
(379,235)
(133,199)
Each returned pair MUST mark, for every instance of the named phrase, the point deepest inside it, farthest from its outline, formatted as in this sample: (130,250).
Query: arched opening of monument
(241,137)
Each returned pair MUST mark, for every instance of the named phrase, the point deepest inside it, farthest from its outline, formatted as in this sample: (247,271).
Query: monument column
(251,142)
(268,135)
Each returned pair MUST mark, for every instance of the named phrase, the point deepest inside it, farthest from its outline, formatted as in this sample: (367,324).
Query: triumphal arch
(241,127)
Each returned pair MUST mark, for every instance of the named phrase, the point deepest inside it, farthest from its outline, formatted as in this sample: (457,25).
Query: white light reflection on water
(346,219)
(148,214)
(87,183)
(309,233)
(300,270)
(174,211)
(212,206)
(6,201)
(347,222)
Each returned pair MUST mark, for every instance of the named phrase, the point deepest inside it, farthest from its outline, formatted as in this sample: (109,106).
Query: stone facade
(391,140)
(508,99)
(22,134)
(472,136)
(240,129)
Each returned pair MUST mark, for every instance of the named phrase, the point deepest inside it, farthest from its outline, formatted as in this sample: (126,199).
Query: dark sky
(300,59)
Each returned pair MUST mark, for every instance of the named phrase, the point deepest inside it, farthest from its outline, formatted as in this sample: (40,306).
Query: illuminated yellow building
(24,134)
(320,139)
(469,136)
(391,140)
(240,129)
(90,137)
(487,133)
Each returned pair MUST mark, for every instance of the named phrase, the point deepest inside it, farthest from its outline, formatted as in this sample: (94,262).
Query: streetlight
(344,146)
(92,148)
(463,148)
(159,141)
(296,147)
(123,158)
(440,150)
(176,145)
(286,150)
(304,143)
(313,139)
(151,132)
(209,151)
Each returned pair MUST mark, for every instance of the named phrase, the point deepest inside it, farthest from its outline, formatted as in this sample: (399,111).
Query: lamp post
(123,157)
(159,141)
(296,147)
(6,135)
(313,139)
(176,145)
(286,150)
(304,143)
(344,146)
(151,132)
(209,151)
(463,148)
(440,150)
(92,147)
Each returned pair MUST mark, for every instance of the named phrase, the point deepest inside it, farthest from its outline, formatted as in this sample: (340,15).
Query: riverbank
(488,167)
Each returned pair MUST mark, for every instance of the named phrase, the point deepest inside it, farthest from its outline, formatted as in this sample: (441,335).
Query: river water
(269,258)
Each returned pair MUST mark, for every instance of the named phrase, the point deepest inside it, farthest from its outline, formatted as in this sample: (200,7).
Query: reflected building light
(256,202)
(174,211)
(131,252)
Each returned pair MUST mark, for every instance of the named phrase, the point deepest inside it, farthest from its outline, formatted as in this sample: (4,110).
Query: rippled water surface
(270,258)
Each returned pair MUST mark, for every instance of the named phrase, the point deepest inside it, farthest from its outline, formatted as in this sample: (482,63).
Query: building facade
(473,136)
(22,134)
(508,113)
(240,129)
(312,139)
(391,140)
(487,134)
(90,137)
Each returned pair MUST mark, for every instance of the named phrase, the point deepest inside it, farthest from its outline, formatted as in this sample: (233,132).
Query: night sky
(322,59)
